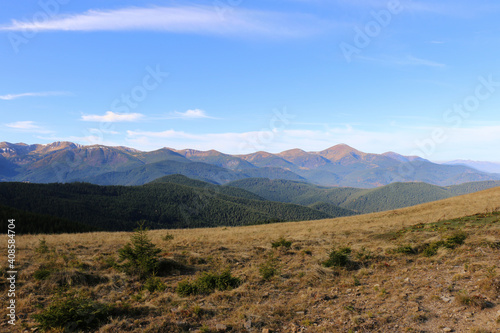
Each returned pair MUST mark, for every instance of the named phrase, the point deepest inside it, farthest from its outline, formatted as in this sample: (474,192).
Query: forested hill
(393,196)
(162,204)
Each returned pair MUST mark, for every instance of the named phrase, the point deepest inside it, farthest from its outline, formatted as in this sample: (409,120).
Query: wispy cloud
(191,114)
(471,142)
(179,19)
(414,61)
(408,60)
(111,117)
(27,126)
(9,97)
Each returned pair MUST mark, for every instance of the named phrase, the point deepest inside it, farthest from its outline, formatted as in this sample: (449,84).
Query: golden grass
(386,293)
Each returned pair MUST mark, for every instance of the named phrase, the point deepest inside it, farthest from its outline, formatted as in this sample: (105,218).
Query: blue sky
(415,77)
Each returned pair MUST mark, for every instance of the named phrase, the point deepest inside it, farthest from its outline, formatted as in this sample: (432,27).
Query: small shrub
(108,262)
(186,288)
(42,273)
(364,255)
(197,311)
(141,255)
(168,237)
(205,329)
(405,249)
(307,252)
(45,270)
(338,257)
(431,249)
(269,269)
(281,242)
(153,284)
(356,281)
(493,245)
(476,301)
(42,246)
(207,283)
(455,240)
(450,242)
(73,313)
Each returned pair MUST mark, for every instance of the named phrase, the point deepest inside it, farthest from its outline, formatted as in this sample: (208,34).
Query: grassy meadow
(426,268)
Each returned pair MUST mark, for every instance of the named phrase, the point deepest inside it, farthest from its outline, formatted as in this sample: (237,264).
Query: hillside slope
(393,196)
(163,204)
(428,268)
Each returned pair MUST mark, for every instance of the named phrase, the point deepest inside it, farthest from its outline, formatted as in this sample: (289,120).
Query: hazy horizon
(414,77)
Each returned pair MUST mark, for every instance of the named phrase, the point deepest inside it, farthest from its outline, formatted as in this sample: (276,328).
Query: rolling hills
(176,201)
(339,165)
(169,202)
(395,195)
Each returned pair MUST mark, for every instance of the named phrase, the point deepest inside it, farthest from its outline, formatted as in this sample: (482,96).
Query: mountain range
(340,165)
(490,167)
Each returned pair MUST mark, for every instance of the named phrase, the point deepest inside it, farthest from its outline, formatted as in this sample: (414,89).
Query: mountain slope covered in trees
(396,195)
(162,204)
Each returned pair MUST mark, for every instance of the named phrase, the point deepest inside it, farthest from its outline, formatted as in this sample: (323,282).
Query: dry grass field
(425,268)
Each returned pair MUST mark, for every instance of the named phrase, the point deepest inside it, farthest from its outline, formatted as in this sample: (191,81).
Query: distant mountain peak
(396,156)
(341,148)
(259,153)
(295,151)
(340,151)
(193,152)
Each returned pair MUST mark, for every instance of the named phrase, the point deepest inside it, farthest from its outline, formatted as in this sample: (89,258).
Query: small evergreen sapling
(140,255)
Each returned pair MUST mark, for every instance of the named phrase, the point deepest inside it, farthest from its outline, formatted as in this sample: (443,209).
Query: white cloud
(9,97)
(24,125)
(27,126)
(180,19)
(191,114)
(461,143)
(266,140)
(111,117)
